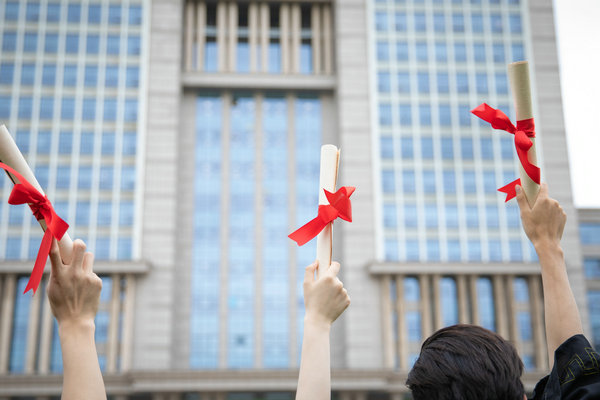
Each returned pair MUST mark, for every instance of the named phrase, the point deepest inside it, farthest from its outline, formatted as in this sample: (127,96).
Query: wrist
(317,322)
(544,246)
(83,326)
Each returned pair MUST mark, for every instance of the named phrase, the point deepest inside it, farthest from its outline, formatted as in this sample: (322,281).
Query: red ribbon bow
(339,206)
(24,192)
(524,130)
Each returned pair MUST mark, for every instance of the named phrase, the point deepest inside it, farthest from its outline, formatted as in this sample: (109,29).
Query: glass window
(67,110)
(521,290)
(48,74)
(385,114)
(386,147)
(87,143)
(44,140)
(477,22)
(449,301)
(427,147)
(474,252)
(383,82)
(92,44)
(442,82)
(469,182)
(106,177)
(46,107)
(22,140)
(421,50)
(389,216)
(518,52)
(5,107)
(408,181)
(381,21)
(383,52)
(412,250)
(423,82)
(102,252)
(104,213)
(481,83)
(25,107)
(449,182)
(405,114)
(458,22)
(63,175)
(487,149)
(91,76)
(82,214)
(472,216)
(479,52)
(30,43)
(6,73)
(53,12)
(27,74)
(420,22)
(108,143)
(516,250)
(496,23)
(127,178)
(466,148)
(406,147)
(439,22)
(9,41)
(524,321)
(111,76)
(431,216)
(113,44)
(129,143)
(89,109)
(441,53)
(501,83)
(11,11)
(391,250)
(594,309)
(51,43)
(515,23)
(388,181)
(589,233)
(451,216)
(132,77)
(72,43)
(94,13)
(65,143)
(131,109)
(412,290)
(454,253)
(507,148)
(491,214)
(447,148)
(110,109)
(433,250)
(425,114)
(462,82)
(135,14)
(70,75)
(429,181)
(410,216)
(592,267)
(495,250)
(133,45)
(498,52)
(401,52)
(114,14)
(445,115)
(403,82)
(73,12)
(489,181)
(485,297)
(464,115)
(401,22)
(124,246)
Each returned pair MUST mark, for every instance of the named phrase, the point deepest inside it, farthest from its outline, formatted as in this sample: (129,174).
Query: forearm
(561,312)
(314,382)
(82,378)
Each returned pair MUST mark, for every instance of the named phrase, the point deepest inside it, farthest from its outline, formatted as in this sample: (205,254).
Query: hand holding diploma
(331,206)
(28,190)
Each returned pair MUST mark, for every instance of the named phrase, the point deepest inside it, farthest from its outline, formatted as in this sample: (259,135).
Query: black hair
(466,362)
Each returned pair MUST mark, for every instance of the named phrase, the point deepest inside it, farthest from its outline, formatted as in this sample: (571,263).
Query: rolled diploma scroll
(11,156)
(518,75)
(330,157)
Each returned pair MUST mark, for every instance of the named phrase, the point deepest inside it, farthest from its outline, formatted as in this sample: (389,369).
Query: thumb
(522,199)
(55,259)
(309,272)
(334,268)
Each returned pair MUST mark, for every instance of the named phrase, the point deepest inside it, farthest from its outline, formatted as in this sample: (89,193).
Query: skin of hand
(544,224)
(74,294)
(325,299)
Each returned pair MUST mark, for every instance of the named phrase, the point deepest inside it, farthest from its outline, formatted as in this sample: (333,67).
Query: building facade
(181,140)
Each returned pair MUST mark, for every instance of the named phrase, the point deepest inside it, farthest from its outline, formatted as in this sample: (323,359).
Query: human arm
(74,294)
(325,299)
(544,223)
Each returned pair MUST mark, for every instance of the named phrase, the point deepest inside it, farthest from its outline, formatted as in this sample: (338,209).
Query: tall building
(181,141)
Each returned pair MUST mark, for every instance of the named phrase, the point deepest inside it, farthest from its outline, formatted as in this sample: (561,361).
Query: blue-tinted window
(401,22)
(91,75)
(9,41)
(427,147)
(383,53)
(93,44)
(485,297)
(454,253)
(108,143)
(133,45)
(94,13)
(385,114)
(72,43)
(389,216)
(84,178)
(135,15)
(383,82)
(477,22)
(53,12)
(433,250)
(487,149)
(124,248)
(495,250)
(22,140)
(25,107)
(401,52)
(412,290)
(451,216)
(30,42)
(458,22)
(442,82)
(15,217)
(513,216)
(67,110)
(126,213)
(524,321)
(429,181)
(44,140)
(110,109)
(87,143)
(131,108)
(73,12)
(420,22)
(589,233)
(469,182)
(464,115)
(243,57)
(474,250)
(441,54)
(132,77)
(439,22)
(406,147)
(421,50)
(423,82)
(46,107)
(501,83)
(111,76)
(472,215)
(129,143)
(481,83)
(63,175)
(410,216)
(592,267)
(381,21)
(65,143)
(413,324)
(516,250)
(594,310)
(498,53)
(51,43)
(127,178)
(445,115)
(49,74)
(479,52)
(18,345)
(518,52)
(466,148)
(405,114)
(27,74)
(449,181)
(113,44)
(114,14)
(496,23)
(507,148)
(431,216)
(5,107)
(391,250)
(70,75)
(6,73)
(387,181)
(408,181)
(412,250)
(425,114)
(88,112)
(11,11)
(82,213)
(521,290)
(403,82)
(211,57)
(449,301)
(447,148)
(489,181)
(515,23)
(102,252)
(462,83)
(386,147)
(104,213)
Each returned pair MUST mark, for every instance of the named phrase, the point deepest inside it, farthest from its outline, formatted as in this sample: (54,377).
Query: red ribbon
(524,131)
(24,192)
(339,206)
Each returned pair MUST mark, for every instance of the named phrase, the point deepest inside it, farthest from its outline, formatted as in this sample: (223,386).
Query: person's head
(466,362)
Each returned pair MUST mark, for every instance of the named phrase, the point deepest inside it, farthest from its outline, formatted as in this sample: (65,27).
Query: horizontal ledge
(100,267)
(389,268)
(258,81)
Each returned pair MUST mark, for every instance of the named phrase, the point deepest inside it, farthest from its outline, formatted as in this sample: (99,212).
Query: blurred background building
(181,141)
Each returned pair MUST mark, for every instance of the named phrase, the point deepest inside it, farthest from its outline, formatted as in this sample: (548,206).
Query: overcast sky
(578,36)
